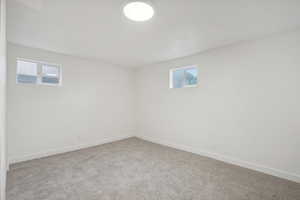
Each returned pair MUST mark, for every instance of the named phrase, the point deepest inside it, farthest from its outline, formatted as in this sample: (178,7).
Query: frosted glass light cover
(138,11)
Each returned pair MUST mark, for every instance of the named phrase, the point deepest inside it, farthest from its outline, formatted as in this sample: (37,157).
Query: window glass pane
(26,79)
(26,68)
(178,78)
(49,70)
(50,74)
(50,80)
(191,76)
(26,72)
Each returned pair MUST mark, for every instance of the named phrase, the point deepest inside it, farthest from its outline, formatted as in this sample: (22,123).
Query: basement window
(184,77)
(38,73)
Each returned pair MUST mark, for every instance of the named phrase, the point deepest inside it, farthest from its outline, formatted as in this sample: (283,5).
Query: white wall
(94,105)
(2,99)
(245,111)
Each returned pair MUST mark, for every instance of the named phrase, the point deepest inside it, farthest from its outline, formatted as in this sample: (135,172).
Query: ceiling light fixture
(138,11)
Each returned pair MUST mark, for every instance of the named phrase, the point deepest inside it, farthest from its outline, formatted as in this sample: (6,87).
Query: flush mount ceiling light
(138,11)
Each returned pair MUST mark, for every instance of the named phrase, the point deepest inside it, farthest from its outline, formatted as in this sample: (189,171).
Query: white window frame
(39,72)
(183,68)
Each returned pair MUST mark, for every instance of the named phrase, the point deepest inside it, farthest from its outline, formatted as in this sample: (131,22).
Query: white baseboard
(227,159)
(51,152)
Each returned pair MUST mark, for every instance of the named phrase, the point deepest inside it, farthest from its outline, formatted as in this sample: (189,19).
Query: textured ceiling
(98,29)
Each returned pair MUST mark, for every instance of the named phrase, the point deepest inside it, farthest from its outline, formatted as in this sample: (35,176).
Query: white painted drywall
(246,109)
(3,156)
(94,105)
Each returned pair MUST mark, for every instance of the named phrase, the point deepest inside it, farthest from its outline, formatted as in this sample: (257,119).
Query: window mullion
(184,78)
(39,73)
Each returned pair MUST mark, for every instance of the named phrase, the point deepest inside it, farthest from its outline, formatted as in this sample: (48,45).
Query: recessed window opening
(184,77)
(38,73)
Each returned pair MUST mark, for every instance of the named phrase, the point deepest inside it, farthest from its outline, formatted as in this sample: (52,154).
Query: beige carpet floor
(134,169)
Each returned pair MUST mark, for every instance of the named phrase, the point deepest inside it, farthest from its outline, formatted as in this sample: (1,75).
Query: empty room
(150,100)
